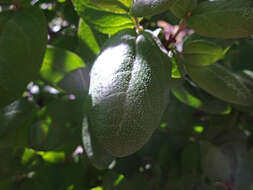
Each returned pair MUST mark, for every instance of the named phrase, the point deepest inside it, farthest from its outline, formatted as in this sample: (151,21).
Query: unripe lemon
(129,91)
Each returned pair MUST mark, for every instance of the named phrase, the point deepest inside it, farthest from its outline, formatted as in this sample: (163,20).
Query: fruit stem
(138,27)
(181,27)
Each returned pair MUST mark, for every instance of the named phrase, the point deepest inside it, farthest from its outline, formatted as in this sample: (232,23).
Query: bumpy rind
(129,91)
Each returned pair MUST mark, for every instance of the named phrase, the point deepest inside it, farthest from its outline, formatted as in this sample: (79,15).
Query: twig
(139,28)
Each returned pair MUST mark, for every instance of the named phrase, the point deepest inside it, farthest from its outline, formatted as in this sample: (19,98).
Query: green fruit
(149,7)
(95,152)
(129,91)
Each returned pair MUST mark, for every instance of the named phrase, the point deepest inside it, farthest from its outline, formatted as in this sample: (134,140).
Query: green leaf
(103,21)
(175,125)
(190,158)
(127,3)
(221,83)
(10,164)
(64,41)
(60,122)
(15,120)
(175,72)
(88,46)
(184,96)
(98,156)
(15,115)
(112,179)
(223,19)
(201,52)
(114,6)
(178,66)
(240,56)
(197,98)
(22,3)
(23,41)
(8,184)
(52,157)
(57,63)
(181,7)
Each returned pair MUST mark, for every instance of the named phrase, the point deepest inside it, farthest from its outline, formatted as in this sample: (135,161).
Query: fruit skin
(94,151)
(129,91)
(142,8)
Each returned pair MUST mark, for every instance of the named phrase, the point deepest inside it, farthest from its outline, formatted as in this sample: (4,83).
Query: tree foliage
(194,54)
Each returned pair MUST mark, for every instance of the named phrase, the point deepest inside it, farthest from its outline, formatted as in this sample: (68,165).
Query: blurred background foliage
(203,143)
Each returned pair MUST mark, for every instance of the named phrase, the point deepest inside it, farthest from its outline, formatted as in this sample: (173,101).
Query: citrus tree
(122,94)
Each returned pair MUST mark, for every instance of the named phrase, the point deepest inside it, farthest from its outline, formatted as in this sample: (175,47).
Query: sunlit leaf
(53,157)
(60,122)
(201,53)
(114,6)
(181,7)
(190,158)
(103,21)
(88,46)
(197,98)
(59,62)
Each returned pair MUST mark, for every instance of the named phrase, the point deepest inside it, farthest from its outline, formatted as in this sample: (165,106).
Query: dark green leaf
(201,52)
(67,42)
(114,6)
(22,45)
(8,184)
(10,165)
(220,82)
(103,21)
(223,18)
(111,179)
(88,46)
(57,63)
(53,157)
(181,7)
